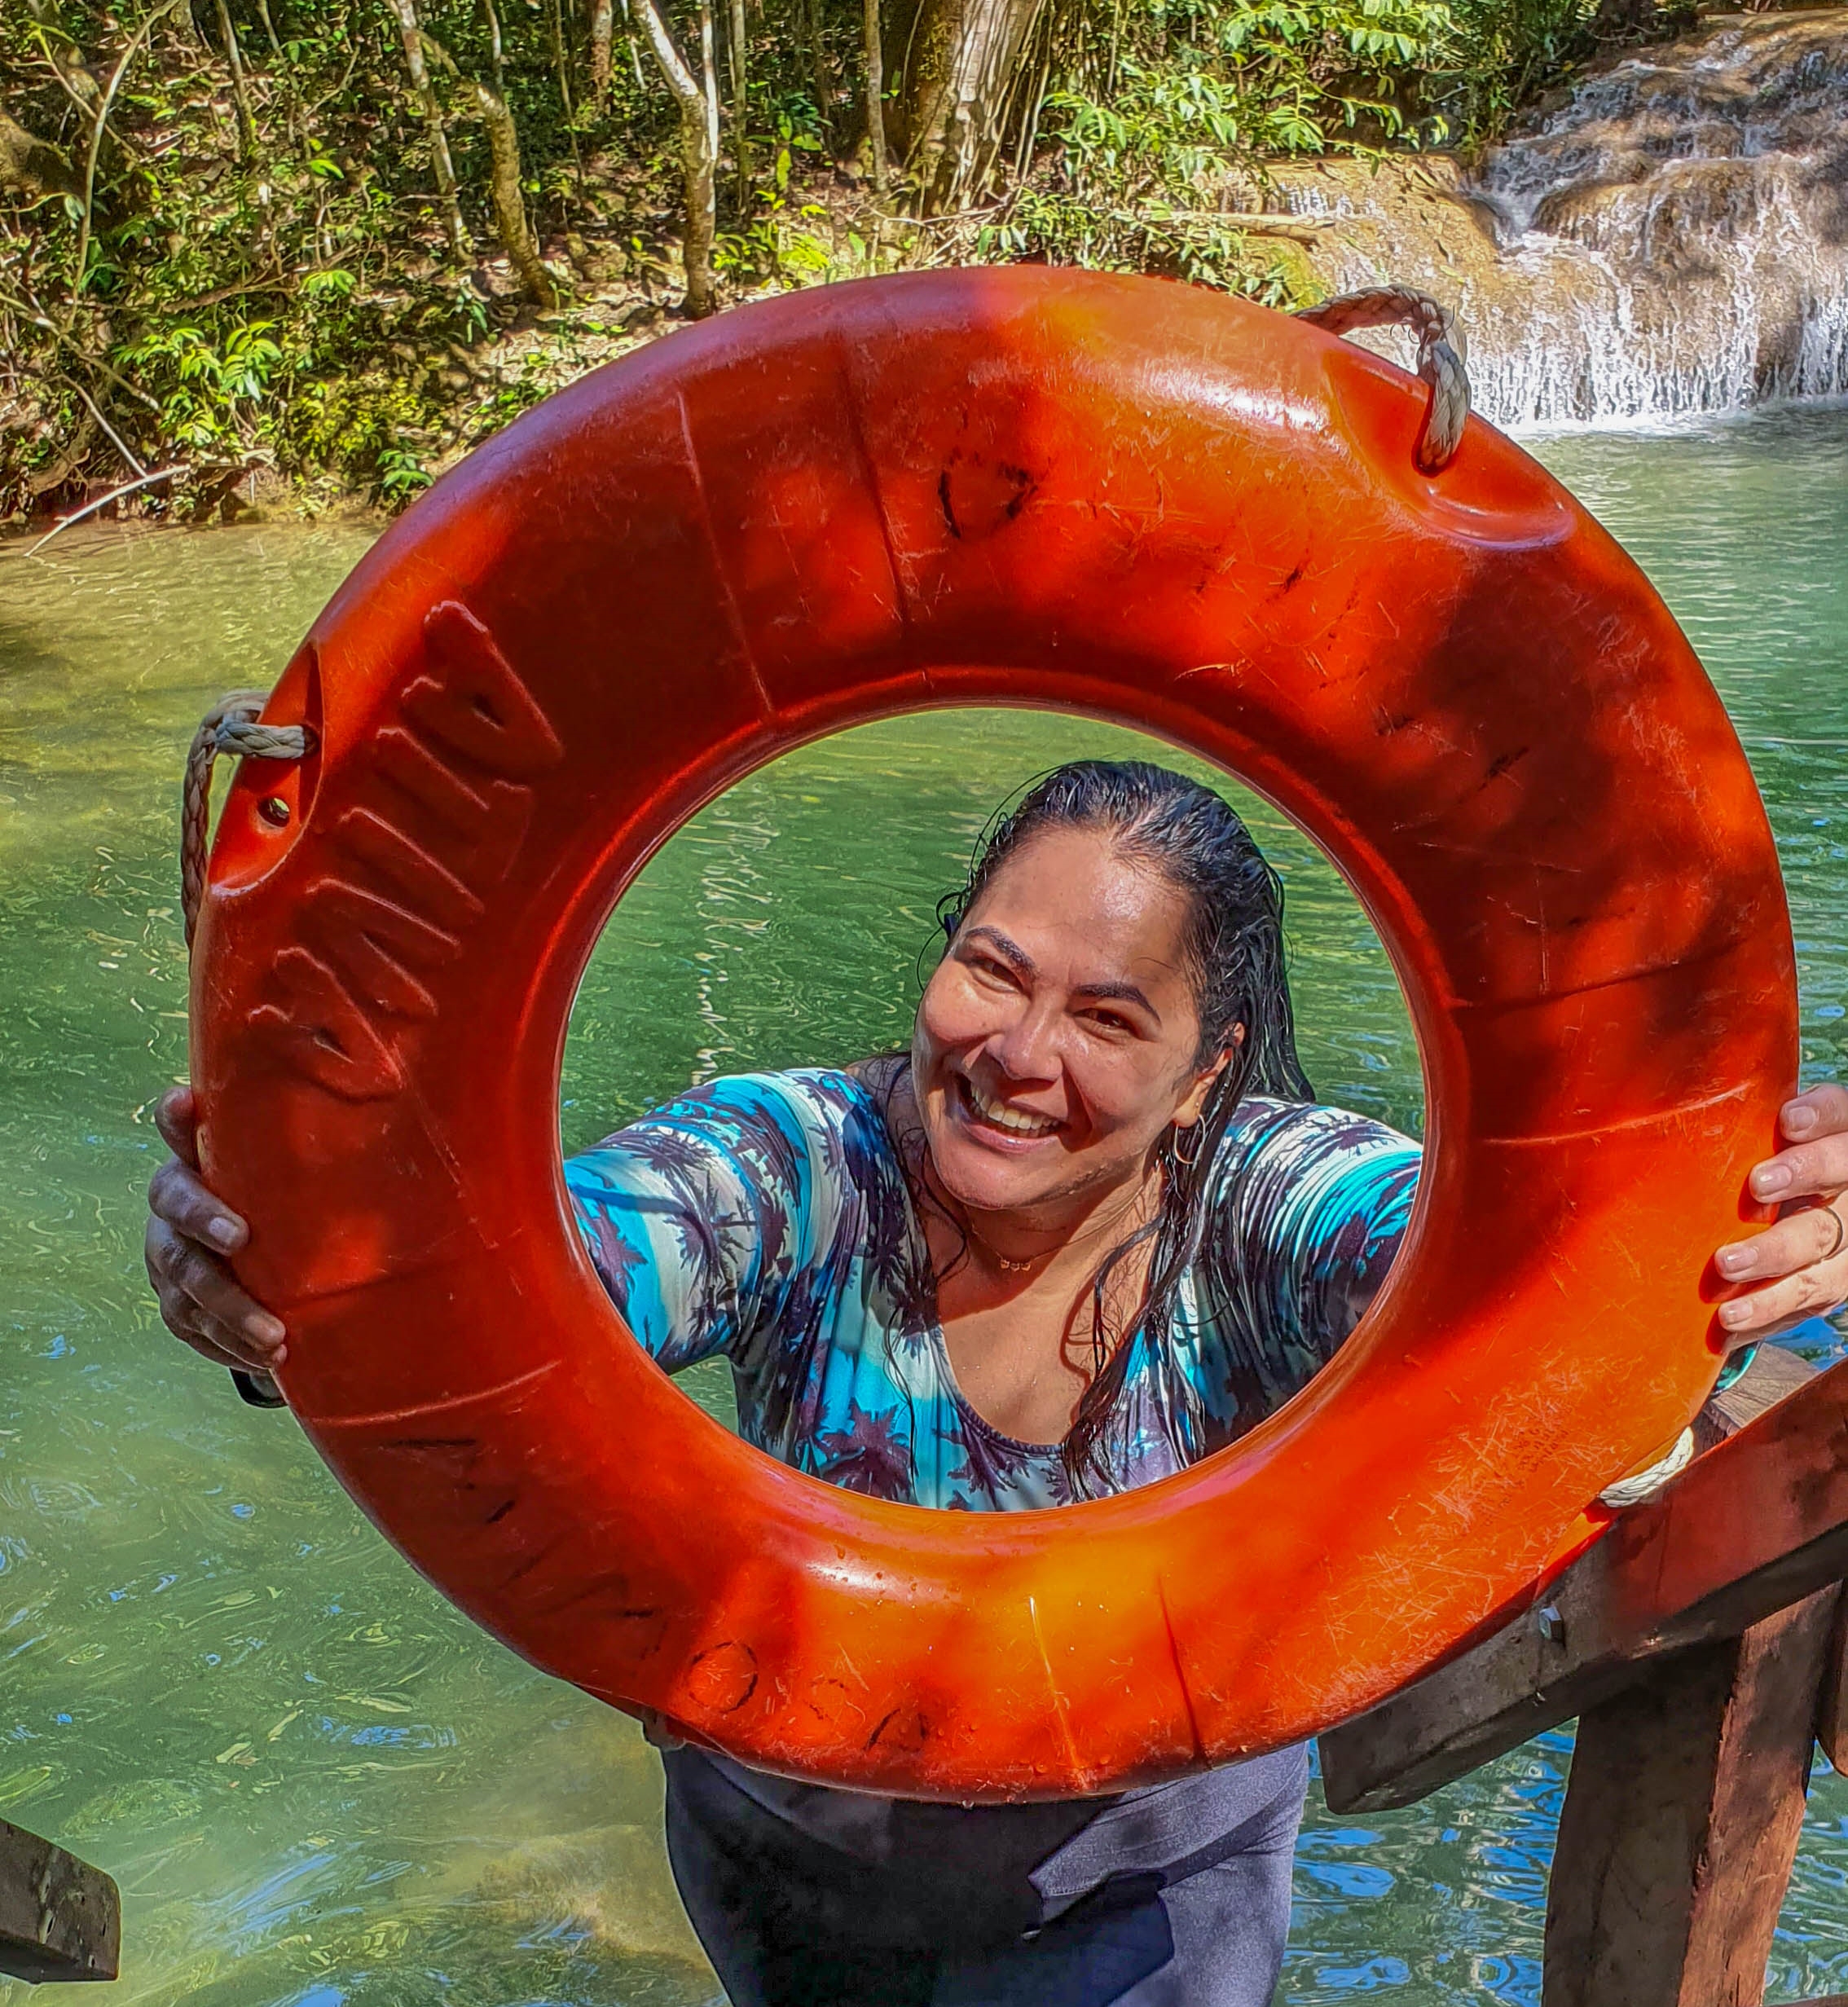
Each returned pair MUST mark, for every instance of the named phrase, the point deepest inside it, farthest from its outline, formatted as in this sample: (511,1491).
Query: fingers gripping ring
(1835,1246)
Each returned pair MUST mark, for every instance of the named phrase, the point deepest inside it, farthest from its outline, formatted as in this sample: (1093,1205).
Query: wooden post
(1832,1713)
(59,1917)
(1681,1822)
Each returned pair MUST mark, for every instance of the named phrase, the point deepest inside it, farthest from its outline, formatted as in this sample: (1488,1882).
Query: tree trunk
(876,95)
(811,13)
(561,59)
(602,41)
(960,64)
(497,56)
(697,98)
(737,49)
(503,179)
(412,34)
(562,62)
(509,209)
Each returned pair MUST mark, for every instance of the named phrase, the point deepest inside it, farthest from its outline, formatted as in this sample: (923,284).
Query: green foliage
(401,473)
(210,390)
(284,290)
(1511,50)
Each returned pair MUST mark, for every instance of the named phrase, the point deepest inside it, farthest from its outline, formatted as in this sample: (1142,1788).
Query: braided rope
(1646,1483)
(1440,357)
(230,726)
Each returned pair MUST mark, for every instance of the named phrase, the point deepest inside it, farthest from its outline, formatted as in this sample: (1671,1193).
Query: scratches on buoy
(1061,1714)
(1180,1672)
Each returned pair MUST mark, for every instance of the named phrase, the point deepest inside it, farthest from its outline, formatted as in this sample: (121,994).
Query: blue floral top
(768,1218)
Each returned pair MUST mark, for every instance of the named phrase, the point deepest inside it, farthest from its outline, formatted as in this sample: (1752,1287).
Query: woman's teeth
(1004,1117)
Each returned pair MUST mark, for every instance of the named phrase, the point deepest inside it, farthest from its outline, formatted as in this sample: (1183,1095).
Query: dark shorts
(1174,1897)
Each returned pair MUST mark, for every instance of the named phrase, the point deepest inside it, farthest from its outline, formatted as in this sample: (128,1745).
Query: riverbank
(277,255)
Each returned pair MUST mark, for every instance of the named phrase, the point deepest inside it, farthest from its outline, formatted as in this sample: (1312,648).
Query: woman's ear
(1190,1109)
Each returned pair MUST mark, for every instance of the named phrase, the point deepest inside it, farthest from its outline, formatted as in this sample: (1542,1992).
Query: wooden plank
(1681,1822)
(59,1917)
(1759,1522)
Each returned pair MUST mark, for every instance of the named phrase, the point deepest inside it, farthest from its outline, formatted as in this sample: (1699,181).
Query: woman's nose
(1026,1048)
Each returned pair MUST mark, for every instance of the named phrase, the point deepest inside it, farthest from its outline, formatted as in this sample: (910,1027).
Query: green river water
(316,1783)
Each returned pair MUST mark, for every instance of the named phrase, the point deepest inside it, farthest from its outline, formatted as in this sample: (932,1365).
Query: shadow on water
(317,1784)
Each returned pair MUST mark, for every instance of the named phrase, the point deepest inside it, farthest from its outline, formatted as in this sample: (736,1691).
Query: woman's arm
(693,1218)
(1310,1206)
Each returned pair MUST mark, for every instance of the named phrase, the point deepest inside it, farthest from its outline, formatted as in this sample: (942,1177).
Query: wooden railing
(1703,1646)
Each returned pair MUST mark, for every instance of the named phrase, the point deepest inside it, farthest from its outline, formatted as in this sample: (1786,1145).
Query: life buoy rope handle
(1124,498)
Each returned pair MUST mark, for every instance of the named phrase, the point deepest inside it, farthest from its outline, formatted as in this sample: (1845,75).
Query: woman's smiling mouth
(982,1109)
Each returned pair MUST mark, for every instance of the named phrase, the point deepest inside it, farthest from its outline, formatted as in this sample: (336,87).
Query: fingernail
(1734,1314)
(1799,1119)
(267,1331)
(222,1233)
(1733,1261)
(1769,1178)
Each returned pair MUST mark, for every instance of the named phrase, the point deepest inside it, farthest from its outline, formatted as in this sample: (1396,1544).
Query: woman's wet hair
(1233,946)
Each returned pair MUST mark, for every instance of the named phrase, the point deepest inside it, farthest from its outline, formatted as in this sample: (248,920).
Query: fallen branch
(102,501)
(116,438)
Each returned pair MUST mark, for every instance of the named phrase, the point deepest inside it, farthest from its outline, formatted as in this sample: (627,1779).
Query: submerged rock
(1670,236)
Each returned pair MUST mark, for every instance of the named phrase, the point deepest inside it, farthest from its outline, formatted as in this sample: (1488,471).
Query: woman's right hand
(189,1236)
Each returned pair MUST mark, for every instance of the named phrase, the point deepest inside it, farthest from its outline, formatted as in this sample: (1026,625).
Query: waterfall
(1670,238)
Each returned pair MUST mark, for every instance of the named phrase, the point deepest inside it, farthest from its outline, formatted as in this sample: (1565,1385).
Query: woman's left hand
(1798,1268)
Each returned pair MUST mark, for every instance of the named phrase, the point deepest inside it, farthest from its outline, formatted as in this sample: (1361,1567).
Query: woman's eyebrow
(1118,993)
(1010,950)
(1023,964)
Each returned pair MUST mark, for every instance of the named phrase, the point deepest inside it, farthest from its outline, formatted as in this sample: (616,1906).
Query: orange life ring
(1116,496)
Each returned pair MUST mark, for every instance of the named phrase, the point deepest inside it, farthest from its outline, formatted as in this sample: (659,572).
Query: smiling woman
(1087,1229)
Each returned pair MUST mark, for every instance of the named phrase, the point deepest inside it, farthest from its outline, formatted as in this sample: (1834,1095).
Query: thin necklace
(1000,1260)
(1020,1268)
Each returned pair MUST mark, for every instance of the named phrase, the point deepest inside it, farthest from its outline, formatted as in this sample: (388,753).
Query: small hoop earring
(1186,1163)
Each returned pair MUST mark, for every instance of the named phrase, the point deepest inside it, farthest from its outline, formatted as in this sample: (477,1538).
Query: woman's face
(1058,1038)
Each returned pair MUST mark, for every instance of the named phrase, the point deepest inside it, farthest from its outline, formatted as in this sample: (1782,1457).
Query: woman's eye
(1109,1021)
